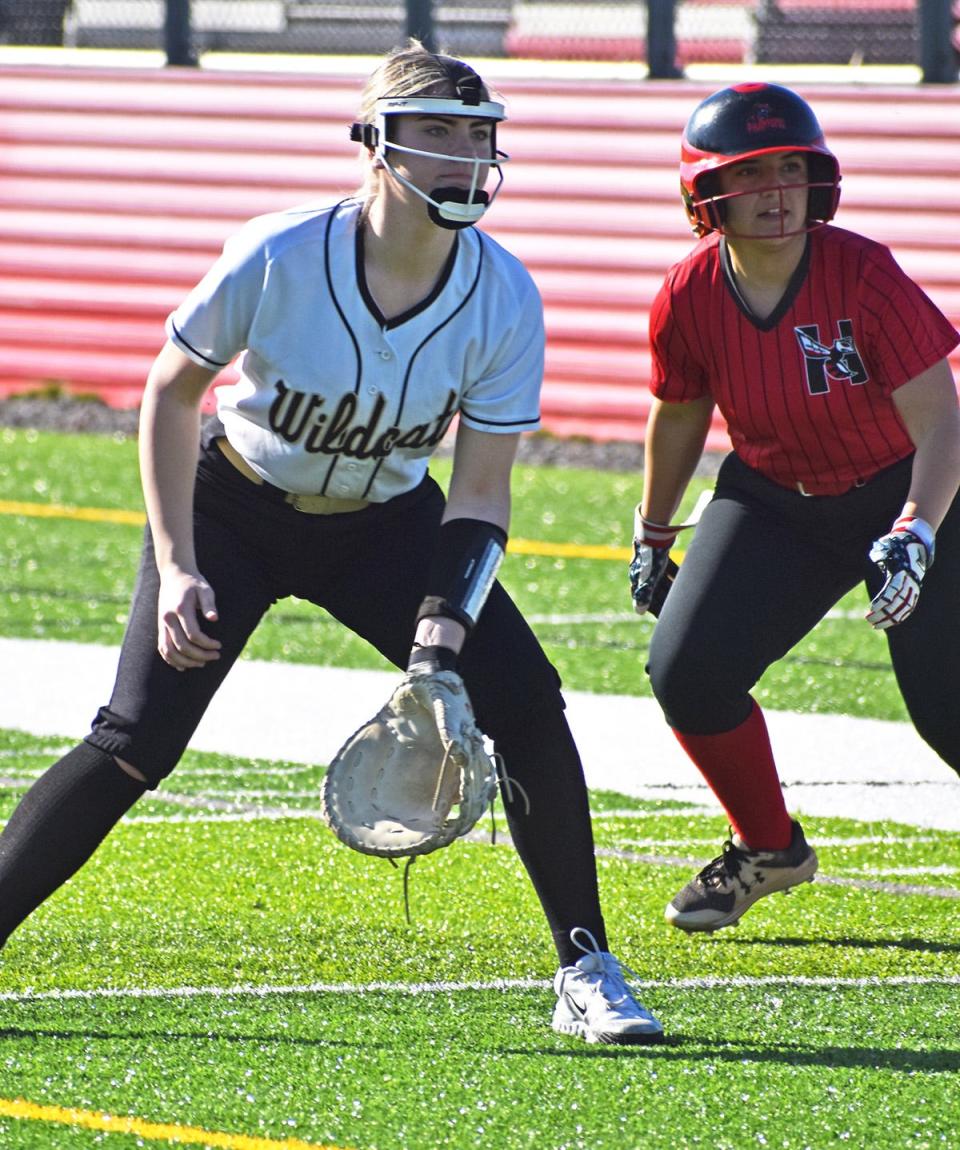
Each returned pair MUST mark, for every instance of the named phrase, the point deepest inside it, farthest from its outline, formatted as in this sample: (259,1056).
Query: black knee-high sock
(57,826)
(555,841)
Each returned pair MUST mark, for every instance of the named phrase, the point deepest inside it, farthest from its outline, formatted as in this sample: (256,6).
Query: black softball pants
(368,569)
(765,566)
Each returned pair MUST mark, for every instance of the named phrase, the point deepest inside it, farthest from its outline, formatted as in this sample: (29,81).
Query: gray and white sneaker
(732,883)
(594,1001)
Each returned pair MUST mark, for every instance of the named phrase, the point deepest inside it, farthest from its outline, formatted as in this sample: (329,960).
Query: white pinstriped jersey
(334,399)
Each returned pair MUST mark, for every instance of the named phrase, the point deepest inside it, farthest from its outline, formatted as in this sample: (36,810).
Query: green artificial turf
(64,578)
(224,966)
(243,972)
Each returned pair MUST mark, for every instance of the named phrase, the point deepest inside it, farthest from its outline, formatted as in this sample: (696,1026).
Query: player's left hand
(904,555)
(646,570)
(651,557)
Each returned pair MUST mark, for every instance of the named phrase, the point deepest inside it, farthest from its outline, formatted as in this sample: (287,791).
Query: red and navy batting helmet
(740,123)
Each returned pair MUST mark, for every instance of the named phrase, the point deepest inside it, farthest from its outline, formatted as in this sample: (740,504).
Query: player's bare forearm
(929,410)
(480,494)
(936,474)
(480,483)
(676,433)
(169,436)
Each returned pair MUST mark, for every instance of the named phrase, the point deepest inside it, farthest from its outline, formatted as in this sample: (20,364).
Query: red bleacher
(118,187)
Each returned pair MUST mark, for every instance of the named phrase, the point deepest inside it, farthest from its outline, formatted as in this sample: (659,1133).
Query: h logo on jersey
(839,361)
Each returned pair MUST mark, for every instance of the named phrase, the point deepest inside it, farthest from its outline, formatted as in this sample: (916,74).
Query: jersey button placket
(383,379)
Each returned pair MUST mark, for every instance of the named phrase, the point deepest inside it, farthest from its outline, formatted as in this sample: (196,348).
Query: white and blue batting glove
(651,553)
(904,556)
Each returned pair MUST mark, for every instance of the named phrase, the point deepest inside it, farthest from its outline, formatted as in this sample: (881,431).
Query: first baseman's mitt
(393,786)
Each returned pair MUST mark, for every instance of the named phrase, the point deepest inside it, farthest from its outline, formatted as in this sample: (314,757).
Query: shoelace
(611,973)
(612,984)
(408,863)
(508,784)
(724,866)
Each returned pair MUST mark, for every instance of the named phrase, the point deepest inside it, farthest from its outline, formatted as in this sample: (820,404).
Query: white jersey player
(364,329)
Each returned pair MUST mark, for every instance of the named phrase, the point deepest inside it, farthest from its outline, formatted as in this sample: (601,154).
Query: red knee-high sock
(739,767)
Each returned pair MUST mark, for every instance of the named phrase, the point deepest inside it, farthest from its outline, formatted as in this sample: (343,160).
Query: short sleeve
(910,333)
(677,374)
(506,395)
(212,324)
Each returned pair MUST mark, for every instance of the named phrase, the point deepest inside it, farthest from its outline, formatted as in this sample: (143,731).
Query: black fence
(666,34)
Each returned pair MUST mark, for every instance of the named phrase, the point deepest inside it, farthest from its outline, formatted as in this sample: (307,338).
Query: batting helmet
(743,122)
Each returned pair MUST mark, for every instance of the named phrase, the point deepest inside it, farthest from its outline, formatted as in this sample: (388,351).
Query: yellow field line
(137,518)
(153,1131)
(60,511)
(568,550)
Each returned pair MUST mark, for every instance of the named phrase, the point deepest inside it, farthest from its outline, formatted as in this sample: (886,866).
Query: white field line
(235,796)
(876,884)
(904,870)
(713,843)
(894,888)
(233,806)
(737,982)
(259,768)
(268,814)
(241,795)
(202,819)
(236,770)
(241,814)
(632,618)
(215,810)
(605,728)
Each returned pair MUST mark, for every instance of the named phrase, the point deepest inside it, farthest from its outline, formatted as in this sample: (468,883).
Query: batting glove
(904,556)
(651,554)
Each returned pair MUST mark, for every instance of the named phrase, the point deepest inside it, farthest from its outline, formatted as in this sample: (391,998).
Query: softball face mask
(449,207)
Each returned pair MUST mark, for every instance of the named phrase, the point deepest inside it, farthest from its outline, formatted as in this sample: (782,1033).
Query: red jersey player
(829,365)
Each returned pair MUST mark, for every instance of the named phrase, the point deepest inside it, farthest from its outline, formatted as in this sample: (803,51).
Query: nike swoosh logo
(575,1007)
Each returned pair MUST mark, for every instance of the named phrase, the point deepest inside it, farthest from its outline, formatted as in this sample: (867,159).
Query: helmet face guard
(742,123)
(448,207)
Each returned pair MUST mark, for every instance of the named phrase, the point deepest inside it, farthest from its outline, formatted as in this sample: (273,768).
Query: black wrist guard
(426,660)
(469,552)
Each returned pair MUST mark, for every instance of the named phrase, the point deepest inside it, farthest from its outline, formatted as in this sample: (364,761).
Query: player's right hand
(186,598)
(651,555)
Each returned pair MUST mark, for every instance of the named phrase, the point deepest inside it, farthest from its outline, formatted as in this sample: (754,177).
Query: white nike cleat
(594,1001)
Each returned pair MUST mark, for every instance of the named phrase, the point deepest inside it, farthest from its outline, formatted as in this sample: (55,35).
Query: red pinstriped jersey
(807,393)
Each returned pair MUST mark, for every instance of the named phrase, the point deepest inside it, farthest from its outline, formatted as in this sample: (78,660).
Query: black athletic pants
(765,565)
(369,570)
